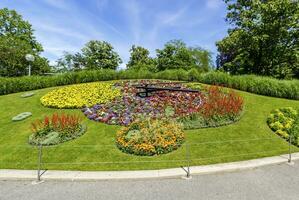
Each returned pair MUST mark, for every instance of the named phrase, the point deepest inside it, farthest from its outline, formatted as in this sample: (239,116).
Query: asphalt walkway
(273,182)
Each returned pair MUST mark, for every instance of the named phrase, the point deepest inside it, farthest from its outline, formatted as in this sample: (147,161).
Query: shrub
(150,137)
(77,96)
(285,122)
(255,84)
(56,129)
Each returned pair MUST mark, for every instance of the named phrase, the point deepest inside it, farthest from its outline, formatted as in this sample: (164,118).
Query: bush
(255,84)
(259,85)
(150,137)
(284,121)
(56,129)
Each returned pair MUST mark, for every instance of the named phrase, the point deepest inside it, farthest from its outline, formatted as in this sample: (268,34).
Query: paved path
(275,182)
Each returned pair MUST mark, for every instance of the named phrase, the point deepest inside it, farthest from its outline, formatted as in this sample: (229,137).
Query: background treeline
(262,39)
(251,83)
(97,55)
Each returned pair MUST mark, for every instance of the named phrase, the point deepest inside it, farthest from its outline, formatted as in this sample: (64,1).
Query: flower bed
(77,96)
(129,107)
(56,129)
(285,121)
(150,137)
(220,107)
(212,106)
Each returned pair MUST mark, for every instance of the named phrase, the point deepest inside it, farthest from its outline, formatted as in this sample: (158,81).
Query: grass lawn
(95,150)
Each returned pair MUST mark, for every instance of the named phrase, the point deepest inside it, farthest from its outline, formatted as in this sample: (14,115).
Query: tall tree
(17,40)
(177,55)
(203,58)
(264,38)
(174,55)
(70,62)
(100,55)
(140,59)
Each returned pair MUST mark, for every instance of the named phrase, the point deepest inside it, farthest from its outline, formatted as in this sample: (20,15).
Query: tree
(140,59)
(263,39)
(176,55)
(70,62)
(17,40)
(203,58)
(100,55)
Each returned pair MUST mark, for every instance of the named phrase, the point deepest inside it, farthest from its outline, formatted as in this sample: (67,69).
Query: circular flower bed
(285,121)
(129,107)
(56,129)
(77,96)
(212,106)
(150,137)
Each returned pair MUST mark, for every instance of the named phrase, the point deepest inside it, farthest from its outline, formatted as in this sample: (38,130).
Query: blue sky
(66,25)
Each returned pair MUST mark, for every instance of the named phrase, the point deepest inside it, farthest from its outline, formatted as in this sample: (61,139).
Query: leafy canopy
(140,59)
(263,39)
(17,40)
(176,55)
(94,55)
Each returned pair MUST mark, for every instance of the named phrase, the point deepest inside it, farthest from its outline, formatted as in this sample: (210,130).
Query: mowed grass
(246,139)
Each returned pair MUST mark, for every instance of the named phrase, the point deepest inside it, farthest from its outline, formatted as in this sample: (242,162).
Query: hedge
(255,84)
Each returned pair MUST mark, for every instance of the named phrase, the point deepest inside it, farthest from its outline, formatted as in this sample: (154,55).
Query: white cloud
(133,10)
(214,4)
(172,18)
(60,4)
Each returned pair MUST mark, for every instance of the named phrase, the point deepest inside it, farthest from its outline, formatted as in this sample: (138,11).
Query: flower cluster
(129,107)
(219,103)
(281,121)
(77,96)
(55,129)
(150,137)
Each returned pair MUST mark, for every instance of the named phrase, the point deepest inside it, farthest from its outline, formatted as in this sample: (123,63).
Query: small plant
(56,129)
(150,137)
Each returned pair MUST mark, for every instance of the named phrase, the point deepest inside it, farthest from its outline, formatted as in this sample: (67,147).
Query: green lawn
(96,150)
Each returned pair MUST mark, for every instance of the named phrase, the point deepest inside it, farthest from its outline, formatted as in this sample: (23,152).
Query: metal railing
(190,154)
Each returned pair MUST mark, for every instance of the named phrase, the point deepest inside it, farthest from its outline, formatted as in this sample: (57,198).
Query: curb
(10,174)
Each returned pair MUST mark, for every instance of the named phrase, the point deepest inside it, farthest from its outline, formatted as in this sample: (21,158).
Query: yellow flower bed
(77,96)
(150,137)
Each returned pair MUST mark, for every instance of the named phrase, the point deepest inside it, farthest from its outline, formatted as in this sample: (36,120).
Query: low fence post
(40,151)
(188,174)
(290,151)
(188,159)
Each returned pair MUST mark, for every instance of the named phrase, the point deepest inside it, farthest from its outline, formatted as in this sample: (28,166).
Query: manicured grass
(96,149)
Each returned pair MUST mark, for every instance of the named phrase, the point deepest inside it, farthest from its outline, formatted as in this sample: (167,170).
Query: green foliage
(263,39)
(70,62)
(100,55)
(255,84)
(140,60)
(283,122)
(250,83)
(93,56)
(176,55)
(17,40)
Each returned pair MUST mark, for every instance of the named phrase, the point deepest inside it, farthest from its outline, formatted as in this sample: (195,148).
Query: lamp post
(29,58)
